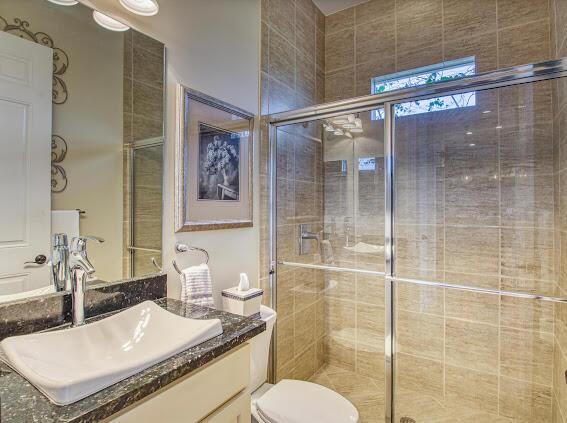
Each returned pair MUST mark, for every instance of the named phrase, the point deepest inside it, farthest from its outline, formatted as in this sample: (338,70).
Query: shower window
(440,72)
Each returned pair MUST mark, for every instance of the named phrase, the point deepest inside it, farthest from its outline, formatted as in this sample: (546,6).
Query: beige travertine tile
(304,329)
(320,50)
(469,388)
(145,42)
(339,51)
(482,46)
(305,76)
(282,18)
(341,285)
(419,248)
(419,298)
(420,201)
(147,67)
(522,313)
(526,355)
(265,48)
(526,150)
(370,325)
(527,200)
(527,253)
(461,19)
(339,84)
(560,364)
(472,248)
(375,40)
(374,9)
(472,306)
(340,353)
(472,196)
(305,158)
(281,97)
(341,319)
(339,21)
(419,375)
(370,360)
(518,12)
(285,340)
(147,101)
(525,401)
(285,371)
(527,43)
(370,289)
(366,71)
(471,345)
(305,33)
(419,33)
(420,335)
(282,59)
(305,364)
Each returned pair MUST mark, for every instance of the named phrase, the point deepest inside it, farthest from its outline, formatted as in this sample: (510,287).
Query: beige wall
(383,36)
(90,121)
(559,46)
(212,47)
(292,65)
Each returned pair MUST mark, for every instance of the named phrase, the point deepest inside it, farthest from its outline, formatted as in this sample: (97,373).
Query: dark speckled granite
(21,402)
(47,311)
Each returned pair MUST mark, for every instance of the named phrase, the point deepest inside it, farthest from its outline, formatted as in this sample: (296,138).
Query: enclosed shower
(419,248)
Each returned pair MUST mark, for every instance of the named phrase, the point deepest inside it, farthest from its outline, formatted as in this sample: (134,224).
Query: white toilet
(290,401)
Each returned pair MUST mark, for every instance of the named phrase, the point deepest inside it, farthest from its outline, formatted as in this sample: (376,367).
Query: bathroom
(396,204)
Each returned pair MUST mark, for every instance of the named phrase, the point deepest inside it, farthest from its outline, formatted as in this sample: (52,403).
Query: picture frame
(214,162)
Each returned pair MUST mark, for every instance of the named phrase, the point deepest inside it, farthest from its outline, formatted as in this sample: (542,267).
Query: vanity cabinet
(214,393)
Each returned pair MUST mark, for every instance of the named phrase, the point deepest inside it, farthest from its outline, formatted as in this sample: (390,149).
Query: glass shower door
(477,208)
(330,255)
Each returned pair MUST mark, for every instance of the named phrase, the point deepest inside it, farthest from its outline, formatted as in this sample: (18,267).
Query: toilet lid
(295,401)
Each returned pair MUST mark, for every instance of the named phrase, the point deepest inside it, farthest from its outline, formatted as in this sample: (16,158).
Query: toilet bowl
(290,401)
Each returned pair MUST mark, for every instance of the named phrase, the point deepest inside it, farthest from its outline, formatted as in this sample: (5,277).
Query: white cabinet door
(25,162)
(235,411)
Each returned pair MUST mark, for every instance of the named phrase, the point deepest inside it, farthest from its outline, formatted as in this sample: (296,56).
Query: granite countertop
(21,402)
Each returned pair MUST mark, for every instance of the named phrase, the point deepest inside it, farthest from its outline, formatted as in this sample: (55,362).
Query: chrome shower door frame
(490,80)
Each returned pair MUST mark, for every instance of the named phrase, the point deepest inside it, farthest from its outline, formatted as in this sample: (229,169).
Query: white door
(25,155)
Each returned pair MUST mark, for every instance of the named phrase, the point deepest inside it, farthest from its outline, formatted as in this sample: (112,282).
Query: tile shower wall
(292,76)
(384,36)
(559,44)
(142,120)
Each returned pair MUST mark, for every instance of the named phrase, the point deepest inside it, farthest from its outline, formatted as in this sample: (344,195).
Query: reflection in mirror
(81,112)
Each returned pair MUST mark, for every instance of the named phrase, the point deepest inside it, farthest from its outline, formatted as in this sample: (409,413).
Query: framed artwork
(214,164)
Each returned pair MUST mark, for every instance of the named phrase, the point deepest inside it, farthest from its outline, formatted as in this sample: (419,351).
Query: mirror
(81,118)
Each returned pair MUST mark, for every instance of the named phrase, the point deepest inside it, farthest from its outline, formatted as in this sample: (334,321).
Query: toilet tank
(260,350)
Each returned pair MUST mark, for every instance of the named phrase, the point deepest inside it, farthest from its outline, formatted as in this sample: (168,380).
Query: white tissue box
(244,303)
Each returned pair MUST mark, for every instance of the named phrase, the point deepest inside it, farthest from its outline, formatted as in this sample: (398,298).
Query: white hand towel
(197,285)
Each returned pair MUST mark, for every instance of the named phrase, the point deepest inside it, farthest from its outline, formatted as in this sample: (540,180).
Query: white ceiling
(328,7)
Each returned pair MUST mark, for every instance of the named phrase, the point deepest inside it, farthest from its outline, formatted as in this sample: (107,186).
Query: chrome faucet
(60,263)
(80,267)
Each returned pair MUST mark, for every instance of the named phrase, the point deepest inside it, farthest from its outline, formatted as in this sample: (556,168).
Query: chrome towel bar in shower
(182,248)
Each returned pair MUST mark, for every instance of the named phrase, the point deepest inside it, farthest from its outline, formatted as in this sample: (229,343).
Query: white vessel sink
(71,364)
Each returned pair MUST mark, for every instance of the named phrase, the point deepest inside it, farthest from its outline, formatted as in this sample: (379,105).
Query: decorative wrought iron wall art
(21,28)
(58,174)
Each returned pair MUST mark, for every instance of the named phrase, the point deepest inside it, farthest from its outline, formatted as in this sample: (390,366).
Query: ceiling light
(109,23)
(141,7)
(486,112)
(64,2)
(499,127)
(469,133)
(338,132)
(340,120)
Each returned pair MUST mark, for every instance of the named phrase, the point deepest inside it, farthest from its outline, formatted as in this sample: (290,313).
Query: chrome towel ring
(182,248)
